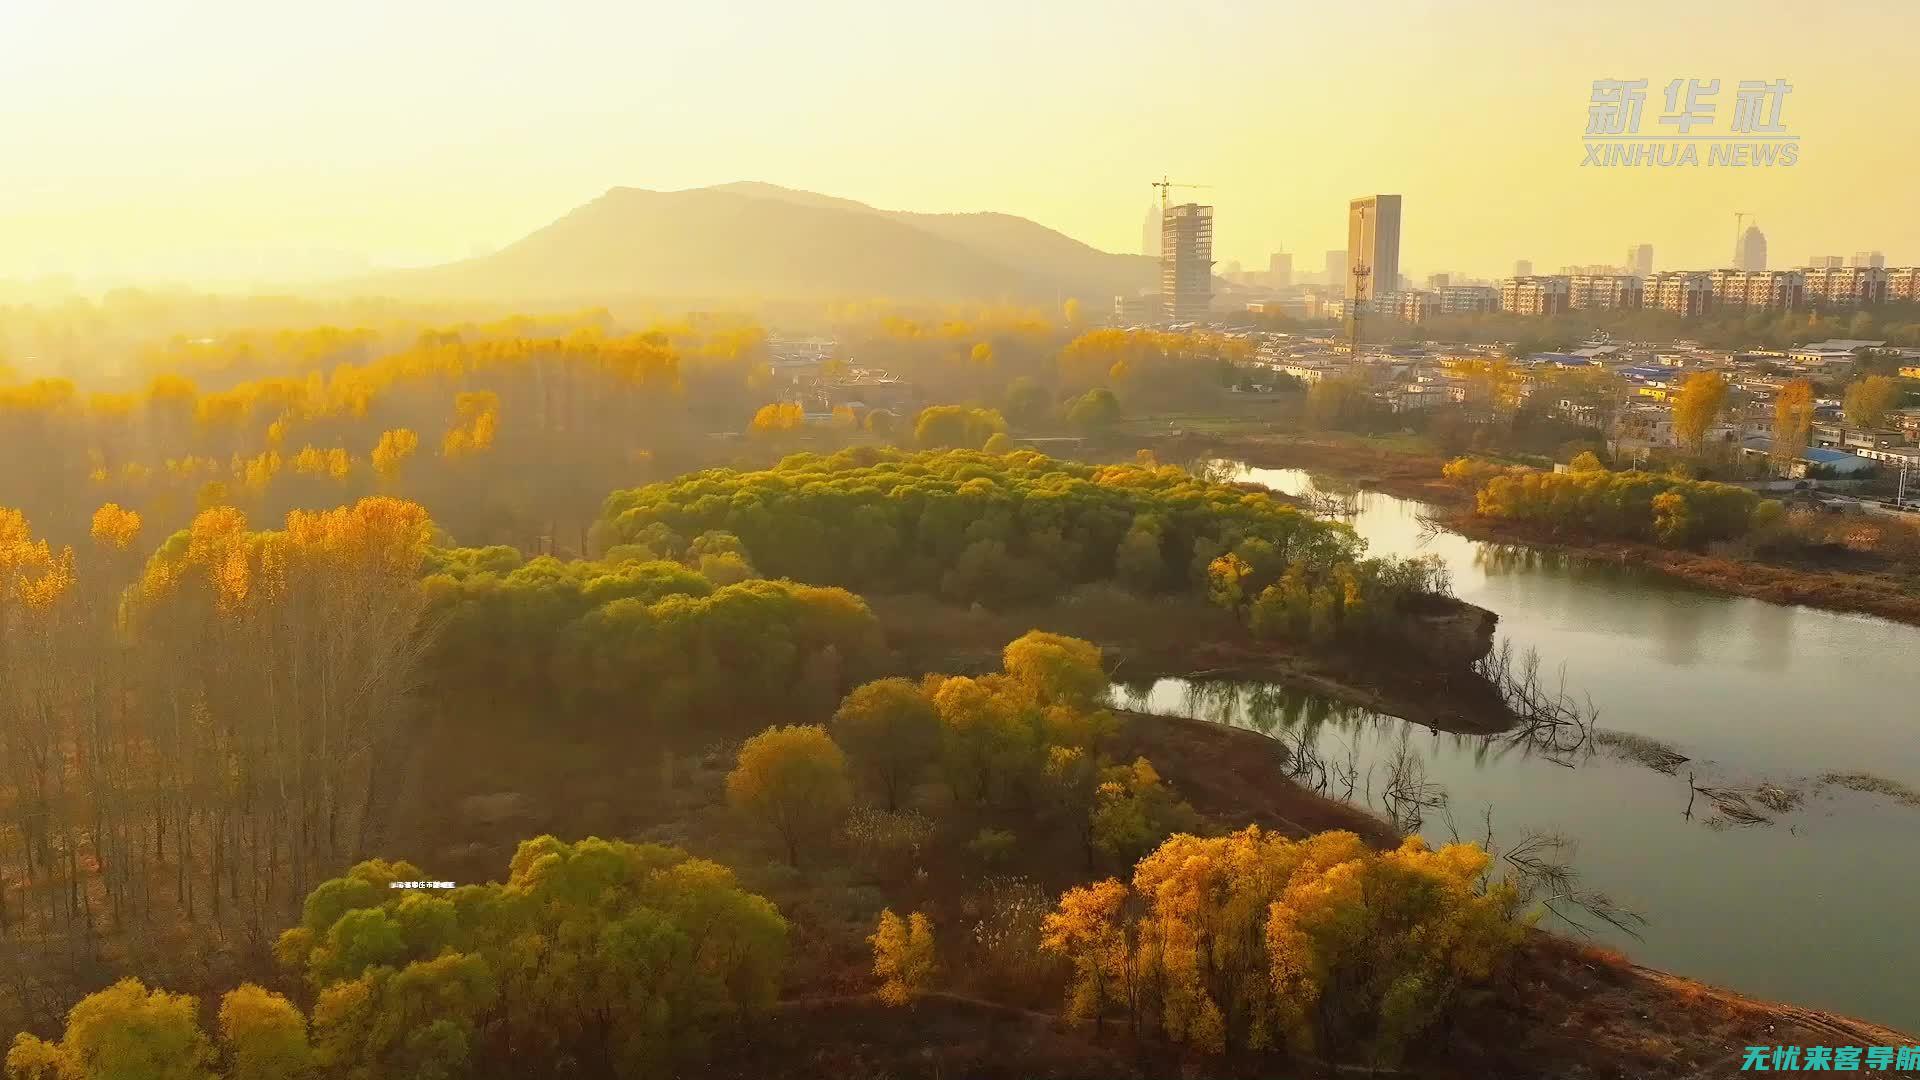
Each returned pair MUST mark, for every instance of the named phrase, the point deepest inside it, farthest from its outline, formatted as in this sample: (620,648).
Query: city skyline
(222,152)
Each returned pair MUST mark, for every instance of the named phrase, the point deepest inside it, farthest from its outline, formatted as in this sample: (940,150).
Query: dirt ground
(1567,1014)
(1238,778)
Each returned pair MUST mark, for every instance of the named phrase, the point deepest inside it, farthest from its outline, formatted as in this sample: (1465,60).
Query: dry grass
(1874,785)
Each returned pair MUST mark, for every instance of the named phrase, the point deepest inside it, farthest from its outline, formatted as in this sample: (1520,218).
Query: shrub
(991,846)
(886,842)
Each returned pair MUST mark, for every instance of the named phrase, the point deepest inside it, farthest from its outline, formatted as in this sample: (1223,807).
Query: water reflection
(1764,685)
(1754,694)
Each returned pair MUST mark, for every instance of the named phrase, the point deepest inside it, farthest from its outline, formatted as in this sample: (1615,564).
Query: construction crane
(1164,184)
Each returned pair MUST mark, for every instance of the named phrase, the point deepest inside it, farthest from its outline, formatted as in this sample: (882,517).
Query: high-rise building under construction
(1186,262)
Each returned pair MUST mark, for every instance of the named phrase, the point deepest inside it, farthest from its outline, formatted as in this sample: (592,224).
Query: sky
(211,140)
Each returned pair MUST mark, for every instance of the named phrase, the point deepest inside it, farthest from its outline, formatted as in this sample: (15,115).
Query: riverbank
(1392,466)
(1568,1012)
(1859,592)
(1566,1009)
(1569,1009)
(1417,476)
(1146,637)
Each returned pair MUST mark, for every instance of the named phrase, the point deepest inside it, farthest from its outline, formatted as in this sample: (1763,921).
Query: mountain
(1014,241)
(751,240)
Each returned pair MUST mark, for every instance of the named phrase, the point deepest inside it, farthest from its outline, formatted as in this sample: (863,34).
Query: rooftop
(1839,345)
(1815,455)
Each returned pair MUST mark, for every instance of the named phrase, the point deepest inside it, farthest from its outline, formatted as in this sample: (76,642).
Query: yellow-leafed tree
(903,955)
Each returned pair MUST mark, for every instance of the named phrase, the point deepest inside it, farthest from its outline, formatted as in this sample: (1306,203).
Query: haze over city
(266,143)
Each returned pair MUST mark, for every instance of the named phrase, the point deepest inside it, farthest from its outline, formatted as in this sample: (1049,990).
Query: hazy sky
(235,138)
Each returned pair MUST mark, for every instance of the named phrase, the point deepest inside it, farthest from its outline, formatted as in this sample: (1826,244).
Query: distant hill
(1014,241)
(759,240)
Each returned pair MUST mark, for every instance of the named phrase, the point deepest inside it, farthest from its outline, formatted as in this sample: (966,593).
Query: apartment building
(1846,286)
(1536,295)
(1604,291)
(1683,292)
(1468,299)
(1758,290)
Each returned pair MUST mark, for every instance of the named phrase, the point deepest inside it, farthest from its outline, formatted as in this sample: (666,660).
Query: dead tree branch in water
(1541,867)
(1548,719)
(1641,750)
(1408,794)
(1731,805)
(1431,525)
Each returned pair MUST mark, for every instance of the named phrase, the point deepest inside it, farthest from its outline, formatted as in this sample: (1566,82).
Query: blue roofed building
(1814,460)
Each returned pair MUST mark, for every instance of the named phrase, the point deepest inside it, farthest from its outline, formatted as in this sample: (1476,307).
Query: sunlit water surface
(1813,907)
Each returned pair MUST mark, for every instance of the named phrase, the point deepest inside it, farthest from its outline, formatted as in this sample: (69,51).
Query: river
(1810,906)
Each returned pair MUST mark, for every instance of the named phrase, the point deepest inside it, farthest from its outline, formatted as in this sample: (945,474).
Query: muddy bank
(1145,638)
(1833,590)
(1235,777)
(1569,1009)
(1565,1010)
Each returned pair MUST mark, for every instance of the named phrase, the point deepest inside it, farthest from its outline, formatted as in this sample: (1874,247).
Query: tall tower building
(1150,232)
(1337,269)
(1373,243)
(1750,253)
(1186,262)
(1279,270)
(1523,268)
(1640,260)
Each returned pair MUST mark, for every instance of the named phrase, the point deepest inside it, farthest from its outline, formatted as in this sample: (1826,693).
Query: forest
(508,428)
(615,958)
(260,585)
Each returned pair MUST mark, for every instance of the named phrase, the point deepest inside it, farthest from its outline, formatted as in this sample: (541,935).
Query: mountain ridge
(752,239)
